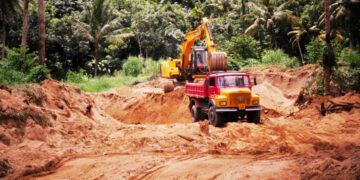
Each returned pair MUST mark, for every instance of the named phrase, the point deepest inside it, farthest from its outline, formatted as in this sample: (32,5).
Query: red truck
(223,97)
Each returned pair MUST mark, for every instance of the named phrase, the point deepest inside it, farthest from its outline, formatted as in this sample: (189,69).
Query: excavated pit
(56,131)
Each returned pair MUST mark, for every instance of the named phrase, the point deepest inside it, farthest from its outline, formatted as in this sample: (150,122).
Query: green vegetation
(133,66)
(315,50)
(135,69)
(103,25)
(350,56)
(21,67)
(278,57)
(111,39)
(106,82)
(348,77)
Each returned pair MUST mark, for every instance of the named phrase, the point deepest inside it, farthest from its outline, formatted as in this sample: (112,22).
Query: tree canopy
(82,34)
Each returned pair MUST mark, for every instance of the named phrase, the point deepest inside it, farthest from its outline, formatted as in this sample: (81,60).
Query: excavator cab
(198,64)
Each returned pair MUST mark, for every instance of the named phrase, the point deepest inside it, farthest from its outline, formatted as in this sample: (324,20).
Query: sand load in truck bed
(217,61)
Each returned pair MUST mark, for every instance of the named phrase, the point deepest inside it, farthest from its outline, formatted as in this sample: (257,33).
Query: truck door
(212,89)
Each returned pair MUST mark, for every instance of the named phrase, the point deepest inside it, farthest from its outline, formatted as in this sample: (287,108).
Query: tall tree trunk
(96,55)
(42,32)
(139,42)
(261,44)
(301,54)
(25,26)
(243,11)
(326,62)
(3,40)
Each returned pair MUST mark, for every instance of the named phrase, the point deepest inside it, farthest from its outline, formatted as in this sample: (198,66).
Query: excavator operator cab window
(197,58)
(200,57)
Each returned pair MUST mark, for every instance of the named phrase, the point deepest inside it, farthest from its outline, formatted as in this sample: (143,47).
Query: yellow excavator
(195,61)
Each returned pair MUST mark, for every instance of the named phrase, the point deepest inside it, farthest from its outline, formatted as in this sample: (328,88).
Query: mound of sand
(141,132)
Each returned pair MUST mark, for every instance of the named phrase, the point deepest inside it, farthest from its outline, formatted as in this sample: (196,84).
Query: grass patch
(107,82)
(135,69)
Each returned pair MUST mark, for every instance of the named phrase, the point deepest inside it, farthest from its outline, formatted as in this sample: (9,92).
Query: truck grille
(237,99)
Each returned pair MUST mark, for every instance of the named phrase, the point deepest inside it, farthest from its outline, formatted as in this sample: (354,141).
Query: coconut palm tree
(101,24)
(8,11)
(265,16)
(344,16)
(42,33)
(329,57)
(296,35)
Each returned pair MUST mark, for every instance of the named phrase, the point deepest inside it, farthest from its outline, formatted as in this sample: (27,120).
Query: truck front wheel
(195,114)
(253,116)
(214,117)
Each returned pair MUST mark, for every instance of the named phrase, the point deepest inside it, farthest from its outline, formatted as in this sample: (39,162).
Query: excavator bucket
(217,61)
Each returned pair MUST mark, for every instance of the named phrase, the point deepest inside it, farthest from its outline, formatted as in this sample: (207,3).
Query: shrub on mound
(22,67)
(278,57)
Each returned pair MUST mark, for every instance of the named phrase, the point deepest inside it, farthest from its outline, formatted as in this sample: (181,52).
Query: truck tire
(253,117)
(195,114)
(215,118)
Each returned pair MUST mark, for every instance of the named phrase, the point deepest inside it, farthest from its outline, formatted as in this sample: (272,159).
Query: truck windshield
(233,81)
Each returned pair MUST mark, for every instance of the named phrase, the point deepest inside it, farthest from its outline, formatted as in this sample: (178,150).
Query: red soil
(56,131)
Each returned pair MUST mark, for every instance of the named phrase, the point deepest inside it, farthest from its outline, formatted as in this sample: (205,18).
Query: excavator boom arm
(202,31)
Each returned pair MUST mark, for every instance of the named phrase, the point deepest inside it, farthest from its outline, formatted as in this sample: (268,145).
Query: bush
(233,65)
(242,47)
(350,56)
(151,66)
(74,77)
(315,50)
(38,74)
(133,66)
(347,79)
(237,65)
(278,57)
(22,67)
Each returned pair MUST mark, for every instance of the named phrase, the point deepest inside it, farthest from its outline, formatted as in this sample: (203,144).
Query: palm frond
(84,32)
(118,37)
(104,30)
(252,30)
(293,32)
(256,7)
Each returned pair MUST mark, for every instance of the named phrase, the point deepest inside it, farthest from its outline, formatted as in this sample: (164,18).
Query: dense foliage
(22,67)
(83,34)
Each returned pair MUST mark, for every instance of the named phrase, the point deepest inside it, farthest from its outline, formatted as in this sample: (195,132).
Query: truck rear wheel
(253,116)
(195,114)
(214,117)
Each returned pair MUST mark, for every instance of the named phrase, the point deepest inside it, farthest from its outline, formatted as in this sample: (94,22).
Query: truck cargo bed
(196,90)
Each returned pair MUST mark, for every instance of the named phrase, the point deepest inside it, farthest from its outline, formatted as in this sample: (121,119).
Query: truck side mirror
(255,83)
(207,82)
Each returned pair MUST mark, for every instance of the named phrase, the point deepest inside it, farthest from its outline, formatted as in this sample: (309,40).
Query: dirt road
(141,133)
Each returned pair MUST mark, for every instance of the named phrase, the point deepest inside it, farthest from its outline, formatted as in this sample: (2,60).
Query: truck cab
(223,97)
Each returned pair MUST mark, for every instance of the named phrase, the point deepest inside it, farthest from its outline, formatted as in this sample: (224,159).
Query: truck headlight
(255,102)
(222,103)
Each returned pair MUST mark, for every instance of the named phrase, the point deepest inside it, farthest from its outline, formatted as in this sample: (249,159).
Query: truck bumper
(255,108)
